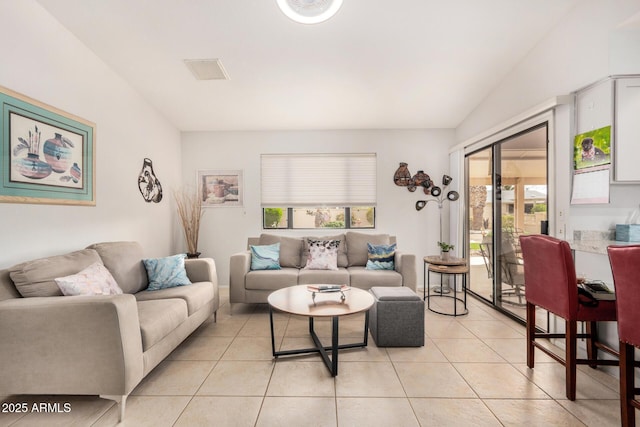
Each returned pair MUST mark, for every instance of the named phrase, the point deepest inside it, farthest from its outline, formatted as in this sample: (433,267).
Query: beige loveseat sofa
(94,345)
(249,286)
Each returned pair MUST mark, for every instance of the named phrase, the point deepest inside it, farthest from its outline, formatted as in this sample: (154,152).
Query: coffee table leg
(366,328)
(330,362)
(273,339)
(334,347)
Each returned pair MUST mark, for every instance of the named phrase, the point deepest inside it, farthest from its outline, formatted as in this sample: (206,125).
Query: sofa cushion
(271,280)
(93,280)
(342,249)
(166,272)
(323,255)
(365,279)
(357,246)
(290,249)
(381,257)
(158,318)
(196,295)
(36,278)
(329,277)
(124,261)
(265,257)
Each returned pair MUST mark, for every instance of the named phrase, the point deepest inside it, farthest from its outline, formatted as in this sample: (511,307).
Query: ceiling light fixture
(309,11)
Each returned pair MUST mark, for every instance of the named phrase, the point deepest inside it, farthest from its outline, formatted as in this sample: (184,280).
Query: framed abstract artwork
(46,155)
(220,188)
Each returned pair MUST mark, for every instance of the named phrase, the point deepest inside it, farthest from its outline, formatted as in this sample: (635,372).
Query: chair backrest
(625,266)
(512,271)
(550,275)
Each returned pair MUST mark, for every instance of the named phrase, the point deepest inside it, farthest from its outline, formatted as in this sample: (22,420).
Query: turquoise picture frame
(46,155)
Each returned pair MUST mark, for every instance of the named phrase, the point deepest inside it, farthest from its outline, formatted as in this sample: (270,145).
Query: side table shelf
(451,267)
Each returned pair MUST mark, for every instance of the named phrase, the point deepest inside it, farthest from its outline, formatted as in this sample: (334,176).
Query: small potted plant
(444,250)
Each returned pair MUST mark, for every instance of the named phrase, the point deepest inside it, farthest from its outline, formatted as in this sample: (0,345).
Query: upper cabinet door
(594,107)
(626,152)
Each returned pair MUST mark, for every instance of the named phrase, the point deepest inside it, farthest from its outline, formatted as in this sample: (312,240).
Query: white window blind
(292,180)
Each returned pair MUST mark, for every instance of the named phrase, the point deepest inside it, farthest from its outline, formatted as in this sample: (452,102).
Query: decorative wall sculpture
(403,178)
(149,184)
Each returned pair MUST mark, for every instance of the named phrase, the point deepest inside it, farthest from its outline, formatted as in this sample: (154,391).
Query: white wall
(224,231)
(42,60)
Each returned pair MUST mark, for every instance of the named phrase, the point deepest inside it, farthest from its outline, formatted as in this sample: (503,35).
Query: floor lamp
(439,197)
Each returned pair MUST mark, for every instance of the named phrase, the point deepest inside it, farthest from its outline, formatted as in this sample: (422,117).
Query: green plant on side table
(444,250)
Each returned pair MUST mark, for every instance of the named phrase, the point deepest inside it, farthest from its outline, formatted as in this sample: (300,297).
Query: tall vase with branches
(189,206)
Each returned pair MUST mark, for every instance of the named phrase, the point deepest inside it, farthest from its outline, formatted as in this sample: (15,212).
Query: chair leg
(592,350)
(627,385)
(571,343)
(531,330)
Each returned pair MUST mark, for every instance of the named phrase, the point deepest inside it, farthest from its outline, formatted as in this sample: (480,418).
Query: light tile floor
(471,371)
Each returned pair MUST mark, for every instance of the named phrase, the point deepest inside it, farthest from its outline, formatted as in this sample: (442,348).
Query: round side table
(450,267)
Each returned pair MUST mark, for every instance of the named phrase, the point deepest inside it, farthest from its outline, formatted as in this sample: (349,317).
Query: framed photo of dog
(592,148)
(46,155)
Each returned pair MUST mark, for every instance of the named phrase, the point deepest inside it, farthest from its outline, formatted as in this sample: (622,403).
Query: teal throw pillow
(166,272)
(265,257)
(381,257)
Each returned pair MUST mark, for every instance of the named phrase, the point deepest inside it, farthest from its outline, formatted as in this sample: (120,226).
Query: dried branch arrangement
(190,210)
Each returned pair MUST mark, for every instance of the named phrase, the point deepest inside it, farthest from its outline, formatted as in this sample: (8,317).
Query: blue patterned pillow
(381,257)
(166,272)
(265,257)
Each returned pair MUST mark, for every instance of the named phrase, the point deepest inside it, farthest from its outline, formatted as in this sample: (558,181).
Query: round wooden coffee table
(299,300)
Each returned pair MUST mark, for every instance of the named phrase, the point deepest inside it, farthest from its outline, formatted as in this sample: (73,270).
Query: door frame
(508,133)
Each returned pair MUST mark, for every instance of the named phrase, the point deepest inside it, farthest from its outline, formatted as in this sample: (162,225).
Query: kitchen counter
(595,242)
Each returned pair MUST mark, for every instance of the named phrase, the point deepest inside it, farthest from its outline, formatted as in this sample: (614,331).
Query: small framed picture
(220,188)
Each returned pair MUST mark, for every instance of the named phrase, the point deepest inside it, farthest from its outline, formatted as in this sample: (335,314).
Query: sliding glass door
(507,197)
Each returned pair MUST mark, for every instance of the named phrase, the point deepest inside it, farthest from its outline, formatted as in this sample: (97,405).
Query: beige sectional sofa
(95,345)
(247,286)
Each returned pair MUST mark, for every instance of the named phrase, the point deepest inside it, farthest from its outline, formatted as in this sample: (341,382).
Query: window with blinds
(318,190)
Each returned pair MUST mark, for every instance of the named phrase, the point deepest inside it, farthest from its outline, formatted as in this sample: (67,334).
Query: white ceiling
(375,65)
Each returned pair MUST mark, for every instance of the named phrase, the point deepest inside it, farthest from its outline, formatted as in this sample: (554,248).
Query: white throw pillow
(93,280)
(323,254)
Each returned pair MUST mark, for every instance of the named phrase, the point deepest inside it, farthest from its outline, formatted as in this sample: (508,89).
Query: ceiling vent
(207,69)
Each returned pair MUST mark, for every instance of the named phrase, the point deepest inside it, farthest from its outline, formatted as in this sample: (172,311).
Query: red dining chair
(625,266)
(550,283)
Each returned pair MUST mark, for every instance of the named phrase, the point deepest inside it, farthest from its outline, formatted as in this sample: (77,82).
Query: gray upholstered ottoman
(397,317)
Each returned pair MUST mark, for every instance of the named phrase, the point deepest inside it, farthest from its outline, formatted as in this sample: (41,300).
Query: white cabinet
(594,107)
(626,139)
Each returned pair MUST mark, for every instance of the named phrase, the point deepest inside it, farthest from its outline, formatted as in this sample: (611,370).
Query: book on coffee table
(327,288)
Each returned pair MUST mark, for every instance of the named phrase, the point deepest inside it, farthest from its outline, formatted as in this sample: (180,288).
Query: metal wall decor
(149,184)
(403,178)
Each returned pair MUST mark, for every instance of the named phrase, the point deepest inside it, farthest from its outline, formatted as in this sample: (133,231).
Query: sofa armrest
(201,270)
(239,266)
(204,270)
(405,264)
(70,345)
